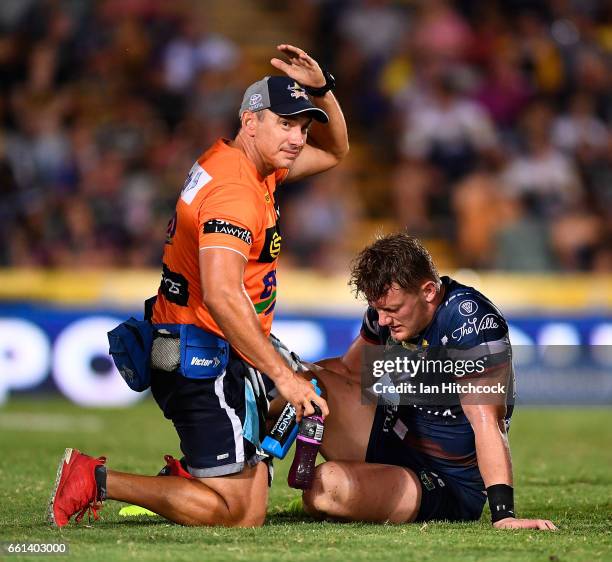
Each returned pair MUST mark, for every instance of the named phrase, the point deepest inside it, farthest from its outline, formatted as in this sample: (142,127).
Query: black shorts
(450,491)
(218,420)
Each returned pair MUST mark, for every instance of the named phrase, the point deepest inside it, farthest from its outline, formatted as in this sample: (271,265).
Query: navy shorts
(218,421)
(452,490)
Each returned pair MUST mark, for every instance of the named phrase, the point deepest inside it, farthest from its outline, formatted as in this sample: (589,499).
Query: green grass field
(562,463)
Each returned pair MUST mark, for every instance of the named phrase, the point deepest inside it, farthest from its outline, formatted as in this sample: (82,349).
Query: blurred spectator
(575,237)
(522,240)
(369,33)
(192,51)
(540,172)
(580,132)
(313,219)
(444,136)
(505,91)
(441,32)
(372,28)
(477,204)
(540,57)
(447,129)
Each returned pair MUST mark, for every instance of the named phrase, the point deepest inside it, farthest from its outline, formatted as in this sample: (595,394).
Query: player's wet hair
(395,258)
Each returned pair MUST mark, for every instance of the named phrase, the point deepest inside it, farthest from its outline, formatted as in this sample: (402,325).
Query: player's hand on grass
(300,393)
(513,523)
(301,66)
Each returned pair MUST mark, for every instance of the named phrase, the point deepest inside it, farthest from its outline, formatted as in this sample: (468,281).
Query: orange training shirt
(224,203)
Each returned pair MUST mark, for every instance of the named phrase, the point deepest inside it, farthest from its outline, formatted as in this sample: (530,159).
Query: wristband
(501,501)
(330,83)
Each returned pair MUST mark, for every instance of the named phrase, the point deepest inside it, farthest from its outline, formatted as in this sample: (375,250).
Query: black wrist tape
(501,501)
(330,83)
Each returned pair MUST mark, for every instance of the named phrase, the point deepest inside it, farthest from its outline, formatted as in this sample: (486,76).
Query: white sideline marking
(50,422)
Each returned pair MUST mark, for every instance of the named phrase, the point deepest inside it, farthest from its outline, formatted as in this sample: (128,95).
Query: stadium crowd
(488,124)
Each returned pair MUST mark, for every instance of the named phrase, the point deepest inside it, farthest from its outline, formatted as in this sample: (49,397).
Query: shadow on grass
(279,516)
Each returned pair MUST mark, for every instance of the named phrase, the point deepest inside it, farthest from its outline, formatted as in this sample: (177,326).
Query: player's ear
(249,122)
(429,290)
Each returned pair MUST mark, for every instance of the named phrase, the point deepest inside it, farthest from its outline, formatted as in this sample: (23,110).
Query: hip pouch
(130,347)
(189,350)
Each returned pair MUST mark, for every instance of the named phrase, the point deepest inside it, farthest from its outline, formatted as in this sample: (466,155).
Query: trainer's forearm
(332,137)
(234,314)
(493,453)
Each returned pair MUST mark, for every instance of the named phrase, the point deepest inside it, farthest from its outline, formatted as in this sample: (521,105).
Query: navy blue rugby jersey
(465,326)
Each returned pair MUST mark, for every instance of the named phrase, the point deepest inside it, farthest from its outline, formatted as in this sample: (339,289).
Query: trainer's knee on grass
(329,492)
(199,505)
(255,518)
(234,514)
(246,515)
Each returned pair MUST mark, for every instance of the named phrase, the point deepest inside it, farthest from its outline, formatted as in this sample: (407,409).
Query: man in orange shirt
(219,274)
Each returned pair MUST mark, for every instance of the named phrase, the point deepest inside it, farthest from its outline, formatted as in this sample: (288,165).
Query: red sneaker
(174,468)
(75,489)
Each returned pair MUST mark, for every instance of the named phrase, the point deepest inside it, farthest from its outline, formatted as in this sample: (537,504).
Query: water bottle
(308,441)
(278,442)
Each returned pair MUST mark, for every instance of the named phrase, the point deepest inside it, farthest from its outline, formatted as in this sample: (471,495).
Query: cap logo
(297,91)
(255,101)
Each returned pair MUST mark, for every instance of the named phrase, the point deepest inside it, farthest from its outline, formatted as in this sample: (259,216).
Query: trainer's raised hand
(512,523)
(300,66)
